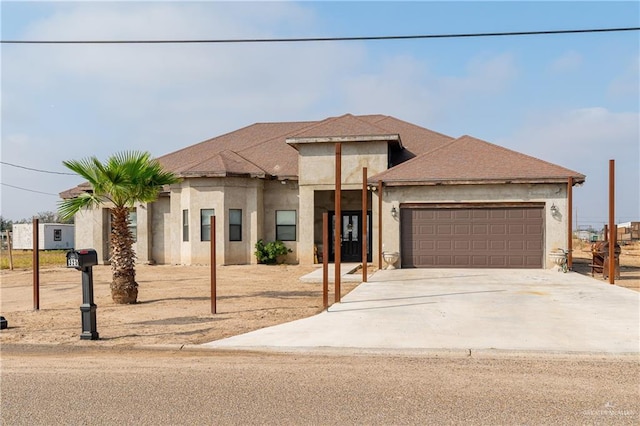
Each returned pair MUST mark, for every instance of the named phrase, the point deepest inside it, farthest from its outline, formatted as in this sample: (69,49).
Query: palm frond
(69,207)
(125,178)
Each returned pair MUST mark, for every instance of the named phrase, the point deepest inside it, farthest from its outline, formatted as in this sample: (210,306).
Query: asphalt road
(81,385)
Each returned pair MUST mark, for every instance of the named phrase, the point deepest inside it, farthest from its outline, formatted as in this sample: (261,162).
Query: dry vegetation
(23,259)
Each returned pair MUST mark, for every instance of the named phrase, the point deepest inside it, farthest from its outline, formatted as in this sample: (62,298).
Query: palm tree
(123,180)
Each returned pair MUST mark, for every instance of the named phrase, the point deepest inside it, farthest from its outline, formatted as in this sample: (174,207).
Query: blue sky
(572,100)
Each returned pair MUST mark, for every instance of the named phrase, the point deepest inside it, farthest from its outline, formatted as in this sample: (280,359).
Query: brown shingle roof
(225,163)
(261,150)
(343,126)
(472,160)
(264,144)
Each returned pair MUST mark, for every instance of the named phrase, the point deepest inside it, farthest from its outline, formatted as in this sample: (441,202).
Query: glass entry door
(351,237)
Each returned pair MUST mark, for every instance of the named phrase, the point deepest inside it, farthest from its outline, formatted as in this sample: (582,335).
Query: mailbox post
(84,260)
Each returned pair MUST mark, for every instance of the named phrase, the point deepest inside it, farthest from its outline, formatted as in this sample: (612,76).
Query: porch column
(143,227)
(306,227)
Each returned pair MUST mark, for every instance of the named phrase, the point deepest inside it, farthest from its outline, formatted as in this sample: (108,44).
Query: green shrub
(269,253)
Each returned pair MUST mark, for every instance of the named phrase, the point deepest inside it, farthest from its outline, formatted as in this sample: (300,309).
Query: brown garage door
(472,237)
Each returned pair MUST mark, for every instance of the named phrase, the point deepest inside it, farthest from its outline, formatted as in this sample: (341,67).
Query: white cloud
(406,87)
(161,89)
(627,83)
(585,140)
(569,61)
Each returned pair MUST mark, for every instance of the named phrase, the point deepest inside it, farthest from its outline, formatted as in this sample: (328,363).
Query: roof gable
(340,127)
(468,159)
(225,163)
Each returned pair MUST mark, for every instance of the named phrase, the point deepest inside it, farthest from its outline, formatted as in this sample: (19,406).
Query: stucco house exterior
(438,201)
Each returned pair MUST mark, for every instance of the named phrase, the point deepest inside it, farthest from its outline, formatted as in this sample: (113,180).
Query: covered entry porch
(353,236)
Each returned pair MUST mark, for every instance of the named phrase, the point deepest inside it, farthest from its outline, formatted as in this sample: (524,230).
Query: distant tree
(5,225)
(50,217)
(123,180)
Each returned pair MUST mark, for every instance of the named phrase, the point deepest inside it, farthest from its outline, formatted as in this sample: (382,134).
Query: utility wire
(29,190)
(319,39)
(37,170)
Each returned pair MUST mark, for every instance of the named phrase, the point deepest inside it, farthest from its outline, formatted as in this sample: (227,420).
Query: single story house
(437,200)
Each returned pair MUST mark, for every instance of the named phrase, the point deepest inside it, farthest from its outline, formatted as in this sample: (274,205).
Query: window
(286,225)
(133,224)
(185,225)
(235,225)
(205,224)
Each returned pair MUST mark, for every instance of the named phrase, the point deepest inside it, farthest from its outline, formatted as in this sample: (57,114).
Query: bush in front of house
(268,253)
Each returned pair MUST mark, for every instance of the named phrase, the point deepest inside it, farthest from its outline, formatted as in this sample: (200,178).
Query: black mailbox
(83,258)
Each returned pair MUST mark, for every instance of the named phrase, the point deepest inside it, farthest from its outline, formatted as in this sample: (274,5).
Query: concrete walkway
(470,309)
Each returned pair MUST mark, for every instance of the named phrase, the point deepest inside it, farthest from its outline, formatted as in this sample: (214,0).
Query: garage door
(472,237)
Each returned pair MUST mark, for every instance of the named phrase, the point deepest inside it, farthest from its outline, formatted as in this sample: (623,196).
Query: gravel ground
(67,385)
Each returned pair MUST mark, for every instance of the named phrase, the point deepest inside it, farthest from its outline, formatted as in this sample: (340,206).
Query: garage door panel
(480,245)
(462,245)
(461,214)
(498,229)
(517,229)
(462,229)
(517,245)
(492,237)
(479,261)
(499,246)
(477,229)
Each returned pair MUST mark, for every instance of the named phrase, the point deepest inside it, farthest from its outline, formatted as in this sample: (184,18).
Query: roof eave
(416,182)
(191,175)
(336,139)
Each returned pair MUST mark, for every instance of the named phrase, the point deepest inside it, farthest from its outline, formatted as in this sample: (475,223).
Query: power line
(29,190)
(323,39)
(37,170)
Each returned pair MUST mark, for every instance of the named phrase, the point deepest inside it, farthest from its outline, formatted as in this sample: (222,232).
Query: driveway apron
(466,309)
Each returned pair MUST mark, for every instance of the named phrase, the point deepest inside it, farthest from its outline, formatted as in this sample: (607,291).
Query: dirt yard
(629,264)
(175,306)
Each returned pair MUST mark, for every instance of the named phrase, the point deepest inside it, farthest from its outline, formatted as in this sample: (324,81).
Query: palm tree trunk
(124,288)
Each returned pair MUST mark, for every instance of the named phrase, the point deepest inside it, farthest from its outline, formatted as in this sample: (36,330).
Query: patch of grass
(23,259)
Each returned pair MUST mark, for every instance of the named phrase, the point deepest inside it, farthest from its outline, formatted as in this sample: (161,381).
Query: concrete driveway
(466,309)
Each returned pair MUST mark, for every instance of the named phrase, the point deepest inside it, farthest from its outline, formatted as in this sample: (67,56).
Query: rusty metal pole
(605,236)
(365,224)
(212,222)
(612,227)
(36,264)
(325,260)
(10,248)
(379,224)
(570,223)
(338,221)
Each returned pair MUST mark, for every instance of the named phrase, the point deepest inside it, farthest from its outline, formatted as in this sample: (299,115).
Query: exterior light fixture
(394,212)
(554,208)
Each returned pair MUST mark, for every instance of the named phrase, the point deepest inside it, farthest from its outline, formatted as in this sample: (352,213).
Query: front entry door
(351,247)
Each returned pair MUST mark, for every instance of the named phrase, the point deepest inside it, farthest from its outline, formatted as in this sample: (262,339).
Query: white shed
(52,236)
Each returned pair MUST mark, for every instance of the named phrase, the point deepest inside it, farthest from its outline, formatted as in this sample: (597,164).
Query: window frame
(235,229)
(185,225)
(132,219)
(293,225)
(205,229)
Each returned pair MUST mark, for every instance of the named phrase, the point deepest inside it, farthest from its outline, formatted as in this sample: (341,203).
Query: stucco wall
(92,231)
(220,194)
(161,230)
(279,196)
(316,162)
(555,231)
